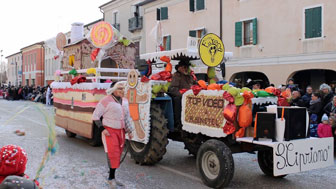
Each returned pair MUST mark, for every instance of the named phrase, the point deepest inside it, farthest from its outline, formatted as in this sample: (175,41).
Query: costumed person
(48,95)
(182,79)
(13,161)
(114,110)
(324,128)
(134,99)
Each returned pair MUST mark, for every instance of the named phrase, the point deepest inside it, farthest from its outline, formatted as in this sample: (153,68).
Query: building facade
(33,64)
(51,65)
(127,17)
(14,70)
(288,39)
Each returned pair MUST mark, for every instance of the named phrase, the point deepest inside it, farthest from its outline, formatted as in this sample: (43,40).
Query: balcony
(135,23)
(116,26)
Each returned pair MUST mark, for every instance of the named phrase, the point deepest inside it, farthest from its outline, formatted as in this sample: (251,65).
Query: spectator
(330,108)
(48,96)
(307,97)
(324,129)
(332,122)
(315,106)
(296,99)
(291,85)
(327,95)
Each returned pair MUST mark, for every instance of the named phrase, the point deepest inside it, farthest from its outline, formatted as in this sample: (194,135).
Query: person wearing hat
(182,79)
(114,109)
(324,129)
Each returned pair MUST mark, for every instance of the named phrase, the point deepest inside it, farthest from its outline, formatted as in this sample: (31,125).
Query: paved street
(78,165)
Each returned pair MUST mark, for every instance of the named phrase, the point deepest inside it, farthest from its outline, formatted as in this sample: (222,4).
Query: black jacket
(327,98)
(329,108)
(317,109)
(298,102)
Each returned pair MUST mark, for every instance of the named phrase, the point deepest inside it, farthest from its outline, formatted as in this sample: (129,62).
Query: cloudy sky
(24,22)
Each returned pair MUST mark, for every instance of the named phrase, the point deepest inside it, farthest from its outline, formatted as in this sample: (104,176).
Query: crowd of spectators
(31,93)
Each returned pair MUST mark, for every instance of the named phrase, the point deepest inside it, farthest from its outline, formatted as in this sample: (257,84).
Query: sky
(25,22)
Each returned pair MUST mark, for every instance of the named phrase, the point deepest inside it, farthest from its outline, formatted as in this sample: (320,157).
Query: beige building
(286,39)
(127,17)
(14,69)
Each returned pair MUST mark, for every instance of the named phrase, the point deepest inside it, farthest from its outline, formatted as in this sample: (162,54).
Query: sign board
(60,41)
(192,44)
(302,155)
(204,113)
(211,50)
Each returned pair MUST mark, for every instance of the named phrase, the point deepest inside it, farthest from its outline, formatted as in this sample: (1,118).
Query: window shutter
(308,23)
(317,22)
(203,32)
(158,14)
(238,34)
(192,5)
(192,33)
(168,43)
(200,4)
(164,13)
(255,31)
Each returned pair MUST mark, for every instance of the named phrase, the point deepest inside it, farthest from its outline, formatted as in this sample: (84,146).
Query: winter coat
(327,98)
(180,81)
(306,99)
(316,108)
(297,102)
(329,108)
(324,130)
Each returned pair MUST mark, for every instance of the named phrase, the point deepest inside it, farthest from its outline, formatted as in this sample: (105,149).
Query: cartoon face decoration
(132,78)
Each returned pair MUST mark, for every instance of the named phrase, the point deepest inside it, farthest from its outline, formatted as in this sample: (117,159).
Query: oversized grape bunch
(101,34)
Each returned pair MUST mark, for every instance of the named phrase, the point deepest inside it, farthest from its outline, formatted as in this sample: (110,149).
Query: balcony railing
(116,26)
(135,23)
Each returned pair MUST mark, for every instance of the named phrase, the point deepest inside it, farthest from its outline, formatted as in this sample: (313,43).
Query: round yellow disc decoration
(101,34)
(211,50)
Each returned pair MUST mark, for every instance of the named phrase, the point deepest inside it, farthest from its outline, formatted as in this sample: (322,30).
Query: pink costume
(114,122)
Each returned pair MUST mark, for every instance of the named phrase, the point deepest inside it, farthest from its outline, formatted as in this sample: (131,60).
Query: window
(162,13)
(115,18)
(167,43)
(246,32)
(27,82)
(197,33)
(313,22)
(115,21)
(33,82)
(196,5)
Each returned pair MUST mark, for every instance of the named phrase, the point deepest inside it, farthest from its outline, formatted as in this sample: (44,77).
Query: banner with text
(204,113)
(302,155)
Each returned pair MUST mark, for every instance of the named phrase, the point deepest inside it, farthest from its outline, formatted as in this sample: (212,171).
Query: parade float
(218,119)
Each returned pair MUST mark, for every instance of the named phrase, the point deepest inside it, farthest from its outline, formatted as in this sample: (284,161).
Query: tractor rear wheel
(153,151)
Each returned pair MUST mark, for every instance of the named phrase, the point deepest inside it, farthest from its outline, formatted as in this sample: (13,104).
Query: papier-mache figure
(134,99)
